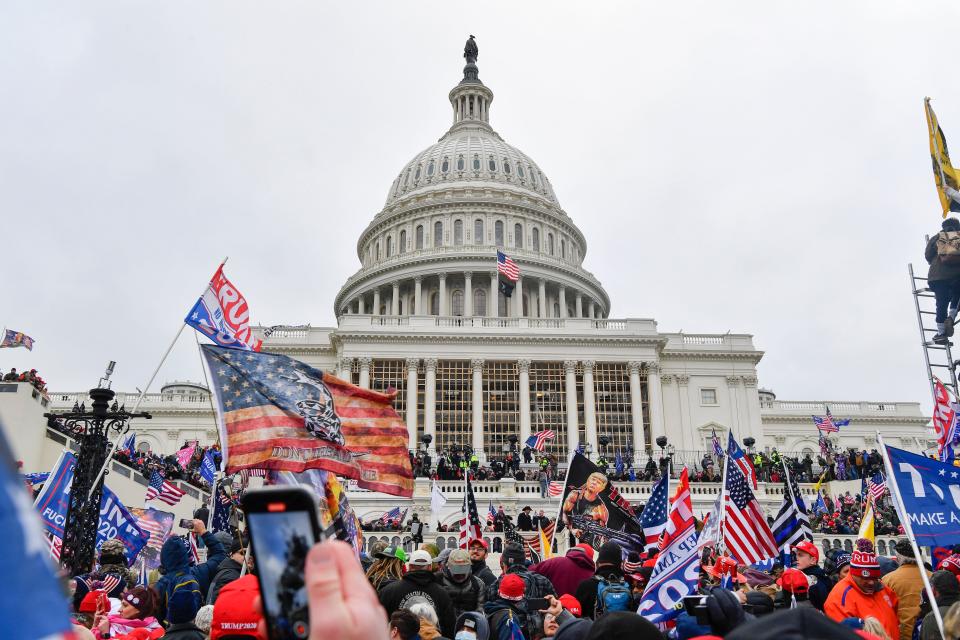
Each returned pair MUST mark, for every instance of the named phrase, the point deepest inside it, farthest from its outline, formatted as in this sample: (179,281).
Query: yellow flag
(823,475)
(944,175)
(546,551)
(866,524)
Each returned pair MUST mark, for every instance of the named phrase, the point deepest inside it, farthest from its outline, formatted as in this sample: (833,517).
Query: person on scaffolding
(943,278)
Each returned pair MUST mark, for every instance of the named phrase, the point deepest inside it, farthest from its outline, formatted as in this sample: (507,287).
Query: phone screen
(281,543)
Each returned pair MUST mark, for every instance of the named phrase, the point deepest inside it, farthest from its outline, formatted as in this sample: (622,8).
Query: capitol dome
(432,249)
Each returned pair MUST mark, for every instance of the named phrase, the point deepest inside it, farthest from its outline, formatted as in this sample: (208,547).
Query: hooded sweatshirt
(178,574)
(566,572)
(480,622)
(421,585)
(848,601)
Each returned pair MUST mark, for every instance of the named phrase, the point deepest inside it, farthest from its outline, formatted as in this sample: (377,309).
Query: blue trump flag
(37,607)
(208,467)
(930,492)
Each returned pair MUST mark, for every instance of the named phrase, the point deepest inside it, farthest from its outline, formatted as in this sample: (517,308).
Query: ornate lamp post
(92,428)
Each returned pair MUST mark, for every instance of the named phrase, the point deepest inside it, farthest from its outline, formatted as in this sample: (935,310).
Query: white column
(418,295)
(589,405)
(518,298)
(360,305)
(636,411)
(477,396)
(376,301)
(570,367)
(468,294)
(365,372)
(412,364)
(542,299)
(579,305)
(443,311)
(683,401)
(430,400)
(395,300)
(655,400)
(590,309)
(563,302)
(494,308)
(346,369)
(523,366)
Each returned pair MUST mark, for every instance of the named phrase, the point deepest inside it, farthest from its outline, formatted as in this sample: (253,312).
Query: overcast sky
(759,167)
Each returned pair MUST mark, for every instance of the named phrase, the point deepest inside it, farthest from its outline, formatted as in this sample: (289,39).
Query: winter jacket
(185,631)
(482,571)
(175,560)
(907,584)
(228,571)
(480,621)
(566,572)
(846,600)
(586,593)
(424,585)
(524,523)
(500,611)
(929,629)
(818,592)
(939,270)
(537,586)
(467,595)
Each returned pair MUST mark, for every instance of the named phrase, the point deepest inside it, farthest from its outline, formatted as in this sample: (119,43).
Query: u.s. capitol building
(423,315)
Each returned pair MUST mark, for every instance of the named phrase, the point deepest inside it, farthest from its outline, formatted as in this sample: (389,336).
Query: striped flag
(387,516)
(143,578)
(944,421)
(278,413)
(745,529)
(158,533)
(539,440)
(507,267)
(877,486)
(792,524)
(717,447)
(194,549)
(826,423)
(470,520)
(246,474)
(163,490)
(653,519)
(743,463)
(491,512)
(54,543)
(555,488)
(546,551)
(534,542)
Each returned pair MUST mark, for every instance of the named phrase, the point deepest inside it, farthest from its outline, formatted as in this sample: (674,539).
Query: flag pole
(553,534)
(723,500)
(143,393)
(218,473)
(908,528)
(786,471)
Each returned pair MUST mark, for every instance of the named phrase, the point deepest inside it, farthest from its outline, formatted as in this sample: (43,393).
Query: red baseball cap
(809,548)
(794,581)
(571,604)
(481,542)
(587,549)
(233,613)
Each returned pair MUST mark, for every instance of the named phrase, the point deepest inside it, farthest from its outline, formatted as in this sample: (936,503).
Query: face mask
(465,635)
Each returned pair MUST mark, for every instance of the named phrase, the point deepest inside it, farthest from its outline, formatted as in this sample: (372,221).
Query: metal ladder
(936,356)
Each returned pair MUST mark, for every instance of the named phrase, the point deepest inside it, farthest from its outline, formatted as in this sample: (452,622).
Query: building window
(416,176)
(460,163)
(498,233)
(454,408)
(377,250)
(476,162)
(708,396)
(479,302)
(492,165)
(438,234)
(406,178)
(478,231)
(402,248)
(506,166)
(520,170)
(430,168)
(458,232)
(533,176)
(550,243)
(536,239)
(445,165)
(457,300)
(389,246)
(518,236)
(419,236)
(556,309)
(613,409)
(563,249)
(548,402)
(501,405)
(434,304)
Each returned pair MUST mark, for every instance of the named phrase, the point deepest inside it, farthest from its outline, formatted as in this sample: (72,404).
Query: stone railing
(167,400)
(840,408)
(626,326)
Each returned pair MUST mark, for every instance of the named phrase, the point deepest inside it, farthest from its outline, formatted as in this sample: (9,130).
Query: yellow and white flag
(866,524)
(546,551)
(946,177)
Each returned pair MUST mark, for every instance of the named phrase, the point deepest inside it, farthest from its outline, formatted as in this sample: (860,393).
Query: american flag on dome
(745,530)
(163,490)
(555,488)
(507,267)
(469,520)
(539,440)
(741,460)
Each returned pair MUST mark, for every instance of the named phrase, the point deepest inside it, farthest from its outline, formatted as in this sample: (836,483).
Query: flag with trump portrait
(277,413)
(223,315)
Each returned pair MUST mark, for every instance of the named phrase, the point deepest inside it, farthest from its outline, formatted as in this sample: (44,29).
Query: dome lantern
(471,99)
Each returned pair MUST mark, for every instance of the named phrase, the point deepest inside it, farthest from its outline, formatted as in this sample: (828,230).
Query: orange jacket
(846,600)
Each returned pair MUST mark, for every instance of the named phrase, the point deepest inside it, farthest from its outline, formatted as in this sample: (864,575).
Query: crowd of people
(844,514)
(26,376)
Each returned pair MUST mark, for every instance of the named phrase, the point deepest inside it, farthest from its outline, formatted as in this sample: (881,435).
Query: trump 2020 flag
(222,314)
(16,339)
(277,413)
(36,606)
(208,467)
(930,492)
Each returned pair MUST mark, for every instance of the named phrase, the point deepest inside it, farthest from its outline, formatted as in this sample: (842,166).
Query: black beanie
(513,554)
(623,625)
(793,624)
(610,554)
(723,611)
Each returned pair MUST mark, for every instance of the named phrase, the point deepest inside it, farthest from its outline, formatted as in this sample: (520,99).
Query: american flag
(222,510)
(491,512)
(530,541)
(877,486)
(387,516)
(539,440)
(507,267)
(470,520)
(745,530)
(740,459)
(944,421)
(653,519)
(555,488)
(54,543)
(157,530)
(717,447)
(163,490)
(246,474)
(826,423)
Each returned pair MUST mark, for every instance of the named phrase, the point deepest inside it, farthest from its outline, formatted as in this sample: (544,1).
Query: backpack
(948,247)
(613,594)
(505,625)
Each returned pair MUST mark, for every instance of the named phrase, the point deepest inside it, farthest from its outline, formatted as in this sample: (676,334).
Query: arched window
(434,304)
(416,176)
(536,239)
(476,162)
(556,309)
(479,302)
(498,233)
(457,300)
(550,243)
(445,165)
(458,232)
(478,231)
(506,166)
(520,170)
(460,163)
(518,236)
(430,168)
(438,234)
(406,178)
(389,246)
(563,249)
(492,165)
(402,247)
(419,236)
